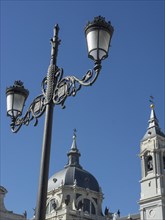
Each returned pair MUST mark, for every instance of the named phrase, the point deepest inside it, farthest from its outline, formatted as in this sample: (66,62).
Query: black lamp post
(55,90)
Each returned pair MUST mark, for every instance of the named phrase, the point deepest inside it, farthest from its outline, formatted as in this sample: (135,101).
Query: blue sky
(110,117)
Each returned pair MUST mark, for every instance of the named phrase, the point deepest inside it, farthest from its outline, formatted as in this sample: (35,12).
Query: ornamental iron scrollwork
(35,110)
(70,85)
(55,89)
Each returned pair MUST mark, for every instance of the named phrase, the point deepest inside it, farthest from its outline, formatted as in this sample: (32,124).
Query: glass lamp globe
(98,35)
(16,96)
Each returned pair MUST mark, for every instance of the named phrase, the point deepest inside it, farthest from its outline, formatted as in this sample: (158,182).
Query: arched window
(51,206)
(164,161)
(47,209)
(67,200)
(87,206)
(93,211)
(149,163)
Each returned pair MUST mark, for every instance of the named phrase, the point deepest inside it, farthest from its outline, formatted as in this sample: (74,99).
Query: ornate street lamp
(98,34)
(55,90)
(16,97)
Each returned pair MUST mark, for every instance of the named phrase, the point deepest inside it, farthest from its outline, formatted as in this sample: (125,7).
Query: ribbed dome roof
(73,173)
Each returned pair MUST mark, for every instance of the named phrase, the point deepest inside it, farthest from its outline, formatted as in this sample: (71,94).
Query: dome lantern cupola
(73,172)
(74,154)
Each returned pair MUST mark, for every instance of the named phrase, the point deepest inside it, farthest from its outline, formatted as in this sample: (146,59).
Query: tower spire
(74,144)
(74,154)
(153,124)
(153,121)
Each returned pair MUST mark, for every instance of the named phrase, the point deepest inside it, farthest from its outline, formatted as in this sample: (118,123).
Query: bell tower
(152,155)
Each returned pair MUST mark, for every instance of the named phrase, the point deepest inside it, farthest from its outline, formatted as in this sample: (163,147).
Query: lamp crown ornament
(101,22)
(18,83)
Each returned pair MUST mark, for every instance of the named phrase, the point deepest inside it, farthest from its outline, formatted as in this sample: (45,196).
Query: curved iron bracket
(70,85)
(55,89)
(35,110)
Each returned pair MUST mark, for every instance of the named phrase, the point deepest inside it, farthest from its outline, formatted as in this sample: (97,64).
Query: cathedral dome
(73,173)
(73,176)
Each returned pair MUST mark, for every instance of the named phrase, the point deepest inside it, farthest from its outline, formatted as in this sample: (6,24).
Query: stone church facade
(6,214)
(75,194)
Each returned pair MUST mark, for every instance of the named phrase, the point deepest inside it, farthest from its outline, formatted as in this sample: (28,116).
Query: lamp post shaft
(44,167)
(46,145)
